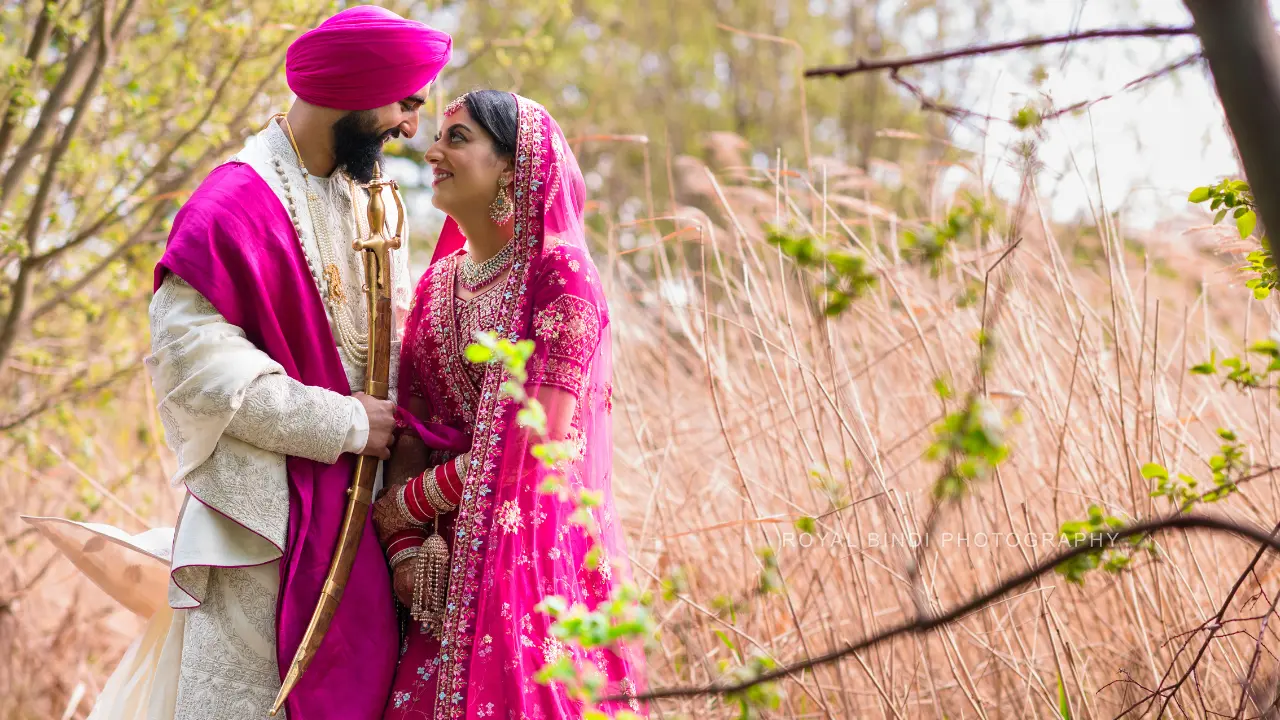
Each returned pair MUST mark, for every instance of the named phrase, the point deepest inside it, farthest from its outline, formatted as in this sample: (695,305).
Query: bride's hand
(387,518)
(402,577)
(408,458)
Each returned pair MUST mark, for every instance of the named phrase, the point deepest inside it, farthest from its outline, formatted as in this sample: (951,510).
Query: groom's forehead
(421,96)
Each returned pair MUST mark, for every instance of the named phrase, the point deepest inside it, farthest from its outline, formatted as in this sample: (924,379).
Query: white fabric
(358,435)
(215,656)
(132,569)
(228,663)
(144,685)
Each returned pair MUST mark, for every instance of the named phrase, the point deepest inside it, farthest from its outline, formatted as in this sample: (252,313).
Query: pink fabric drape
(511,544)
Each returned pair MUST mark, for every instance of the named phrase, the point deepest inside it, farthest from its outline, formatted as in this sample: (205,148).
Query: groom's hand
(382,425)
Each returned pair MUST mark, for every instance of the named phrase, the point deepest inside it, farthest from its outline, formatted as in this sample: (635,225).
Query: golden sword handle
(377,272)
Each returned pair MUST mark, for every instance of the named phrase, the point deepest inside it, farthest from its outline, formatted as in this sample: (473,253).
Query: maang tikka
(501,209)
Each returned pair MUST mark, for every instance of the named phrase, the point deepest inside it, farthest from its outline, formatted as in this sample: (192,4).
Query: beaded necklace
(473,276)
(350,339)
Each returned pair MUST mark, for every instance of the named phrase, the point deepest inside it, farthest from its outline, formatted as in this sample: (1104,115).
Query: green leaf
(807,525)
(1245,223)
(1154,470)
(1221,214)
(1203,369)
(479,354)
(1198,195)
(724,638)
(1064,707)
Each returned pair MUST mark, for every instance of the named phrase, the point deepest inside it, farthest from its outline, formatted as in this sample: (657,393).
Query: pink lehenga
(510,544)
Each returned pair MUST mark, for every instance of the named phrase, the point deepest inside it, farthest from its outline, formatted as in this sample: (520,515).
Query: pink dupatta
(511,544)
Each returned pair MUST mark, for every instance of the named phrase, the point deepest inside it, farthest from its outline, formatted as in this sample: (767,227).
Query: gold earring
(501,209)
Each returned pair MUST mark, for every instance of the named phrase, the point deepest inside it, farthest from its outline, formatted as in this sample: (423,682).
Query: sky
(1139,153)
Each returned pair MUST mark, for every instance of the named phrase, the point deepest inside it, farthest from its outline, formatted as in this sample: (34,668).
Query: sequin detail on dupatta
(475,513)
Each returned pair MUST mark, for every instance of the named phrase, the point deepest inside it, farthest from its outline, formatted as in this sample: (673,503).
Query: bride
(512,260)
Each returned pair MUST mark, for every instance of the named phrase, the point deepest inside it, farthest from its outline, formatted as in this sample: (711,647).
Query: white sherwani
(232,415)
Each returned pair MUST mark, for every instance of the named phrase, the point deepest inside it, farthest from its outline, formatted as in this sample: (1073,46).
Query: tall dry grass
(739,408)
(749,410)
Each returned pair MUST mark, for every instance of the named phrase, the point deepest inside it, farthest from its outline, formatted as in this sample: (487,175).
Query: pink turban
(365,57)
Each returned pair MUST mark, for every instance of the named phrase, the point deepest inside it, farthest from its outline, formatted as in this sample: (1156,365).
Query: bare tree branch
(92,273)
(13,422)
(862,66)
(925,624)
(48,116)
(39,39)
(1213,625)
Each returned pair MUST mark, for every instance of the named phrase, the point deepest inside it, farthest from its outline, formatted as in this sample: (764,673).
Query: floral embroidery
(605,568)
(554,553)
(552,649)
(558,150)
(578,443)
(438,356)
(526,629)
(575,266)
(481,313)
(554,276)
(629,689)
(569,328)
(509,517)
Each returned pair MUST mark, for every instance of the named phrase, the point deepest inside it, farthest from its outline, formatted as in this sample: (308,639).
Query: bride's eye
(456,136)
(437,137)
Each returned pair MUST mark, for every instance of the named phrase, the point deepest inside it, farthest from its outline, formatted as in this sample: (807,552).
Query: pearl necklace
(354,342)
(473,276)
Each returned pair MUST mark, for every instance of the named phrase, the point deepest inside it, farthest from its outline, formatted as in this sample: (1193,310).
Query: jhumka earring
(501,209)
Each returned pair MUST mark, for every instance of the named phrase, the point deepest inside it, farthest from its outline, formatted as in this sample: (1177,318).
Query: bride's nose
(433,154)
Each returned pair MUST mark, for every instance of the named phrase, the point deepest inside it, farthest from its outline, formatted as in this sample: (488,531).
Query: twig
(928,623)
(13,422)
(862,66)
(961,114)
(1136,82)
(1213,625)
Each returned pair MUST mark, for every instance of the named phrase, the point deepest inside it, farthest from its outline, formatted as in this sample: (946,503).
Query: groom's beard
(357,144)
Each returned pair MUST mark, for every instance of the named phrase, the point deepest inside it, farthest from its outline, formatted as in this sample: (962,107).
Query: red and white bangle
(405,544)
(412,505)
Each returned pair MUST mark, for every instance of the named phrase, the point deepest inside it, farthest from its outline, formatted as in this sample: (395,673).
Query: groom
(259,337)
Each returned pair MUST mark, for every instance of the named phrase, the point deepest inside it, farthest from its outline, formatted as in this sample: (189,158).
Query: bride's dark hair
(496,112)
